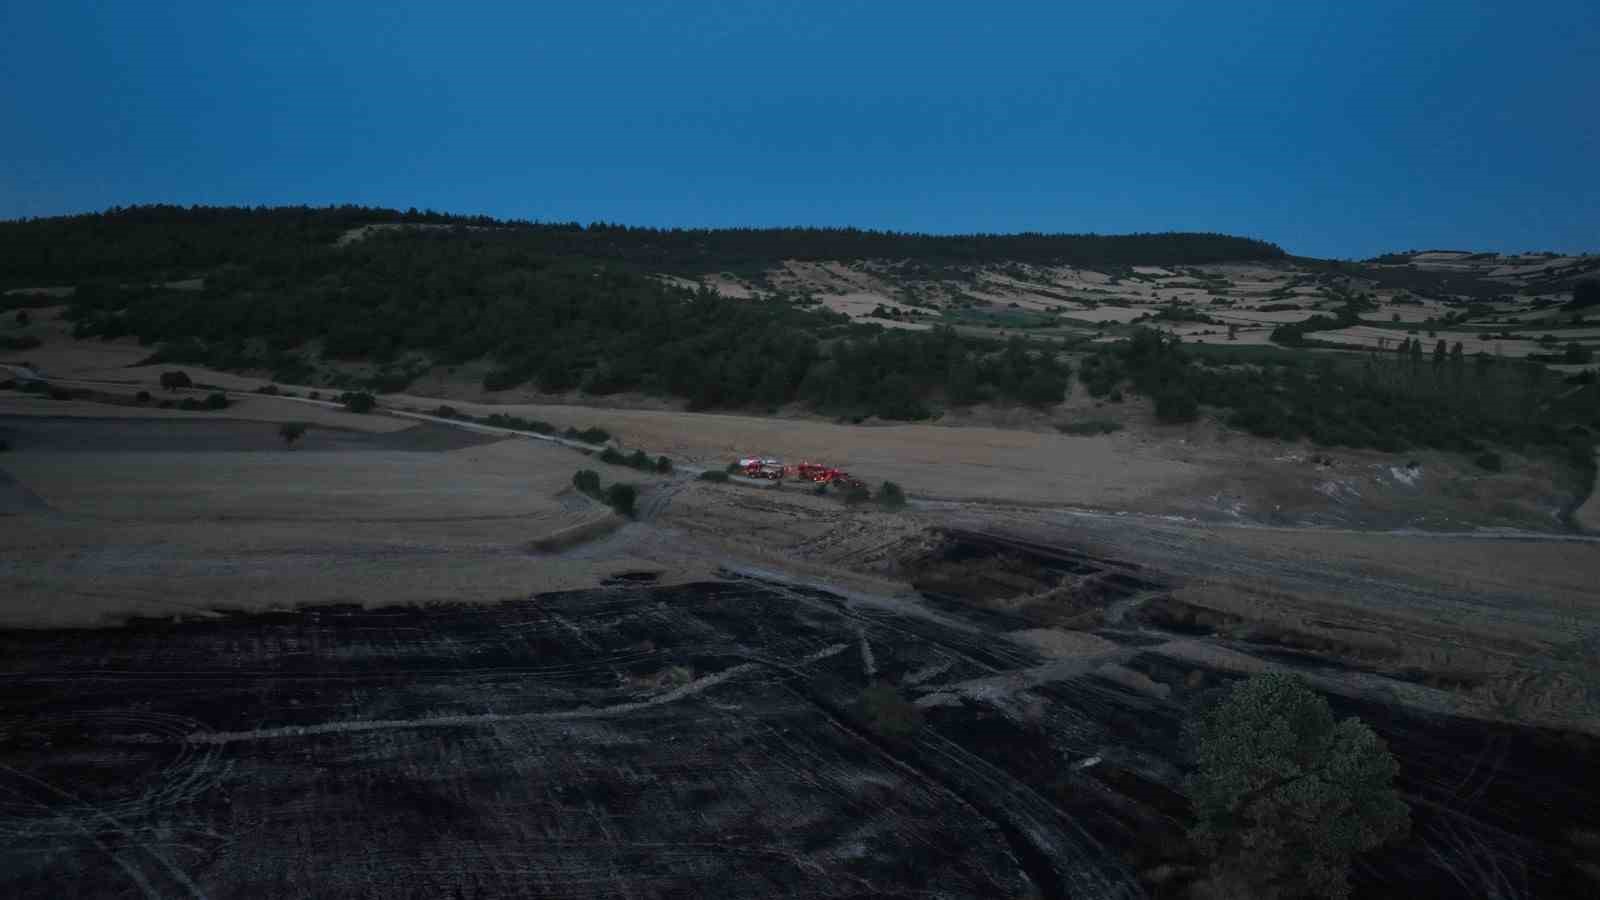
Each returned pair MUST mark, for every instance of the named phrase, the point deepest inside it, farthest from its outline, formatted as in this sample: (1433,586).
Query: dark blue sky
(1335,129)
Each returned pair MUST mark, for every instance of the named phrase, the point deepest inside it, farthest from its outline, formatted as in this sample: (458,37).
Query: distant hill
(162,242)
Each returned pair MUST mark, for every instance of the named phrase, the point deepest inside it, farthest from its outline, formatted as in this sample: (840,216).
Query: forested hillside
(559,306)
(156,241)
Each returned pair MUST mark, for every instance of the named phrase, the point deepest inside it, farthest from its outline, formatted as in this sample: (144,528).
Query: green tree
(587,481)
(622,498)
(358,401)
(1285,795)
(291,432)
(890,496)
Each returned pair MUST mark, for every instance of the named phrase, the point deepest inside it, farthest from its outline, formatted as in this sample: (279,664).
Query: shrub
(270,390)
(1174,405)
(1285,796)
(613,456)
(23,318)
(1089,426)
(890,496)
(174,380)
(887,712)
(663,465)
(587,481)
(191,404)
(640,460)
(714,475)
(292,432)
(5,445)
(734,468)
(315,395)
(142,396)
(446,412)
(166,404)
(216,400)
(856,494)
(622,497)
(1489,460)
(25,342)
(358,401)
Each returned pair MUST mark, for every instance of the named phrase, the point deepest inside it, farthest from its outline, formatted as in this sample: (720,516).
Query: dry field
(201,524)
(1375,337)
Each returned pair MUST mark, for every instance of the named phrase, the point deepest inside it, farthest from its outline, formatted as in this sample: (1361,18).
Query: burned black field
(700,740)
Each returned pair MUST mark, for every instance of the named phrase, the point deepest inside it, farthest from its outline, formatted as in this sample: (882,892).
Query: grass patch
(1088,427)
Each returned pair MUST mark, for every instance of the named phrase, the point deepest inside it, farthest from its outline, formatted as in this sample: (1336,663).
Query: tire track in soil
(1036,854)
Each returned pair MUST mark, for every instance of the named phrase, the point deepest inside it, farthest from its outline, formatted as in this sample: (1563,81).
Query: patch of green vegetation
(1086,427)
(1286,796)
(620,497)
(891,497)
(565,307)
(358,401)
(1387,401)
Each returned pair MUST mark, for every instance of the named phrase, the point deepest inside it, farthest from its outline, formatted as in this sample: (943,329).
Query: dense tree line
(403,299)
(1389,400)
(157,242)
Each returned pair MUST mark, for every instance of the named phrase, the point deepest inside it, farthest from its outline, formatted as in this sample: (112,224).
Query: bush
(292,432)
(734,468)
(358,401)
(1285,796)
(446,412)
(270,390)
(216,400)
(26,342)
(890,496)
(5,445)
(142,396)
(622,497)
(613,456)
(587,481)
(855,494)
(640,460)
(887,712)
(1489,460)
(166,404)
(23,318)
(174,380)
(1175,405)
(1089,427)
(714,475)
(191,404)
(663,465)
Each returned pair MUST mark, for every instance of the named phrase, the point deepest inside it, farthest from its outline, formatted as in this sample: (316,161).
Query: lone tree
(1285,795)
(292,432)
(358,401)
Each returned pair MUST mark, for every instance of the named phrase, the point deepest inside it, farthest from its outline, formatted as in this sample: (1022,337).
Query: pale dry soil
(111,534)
